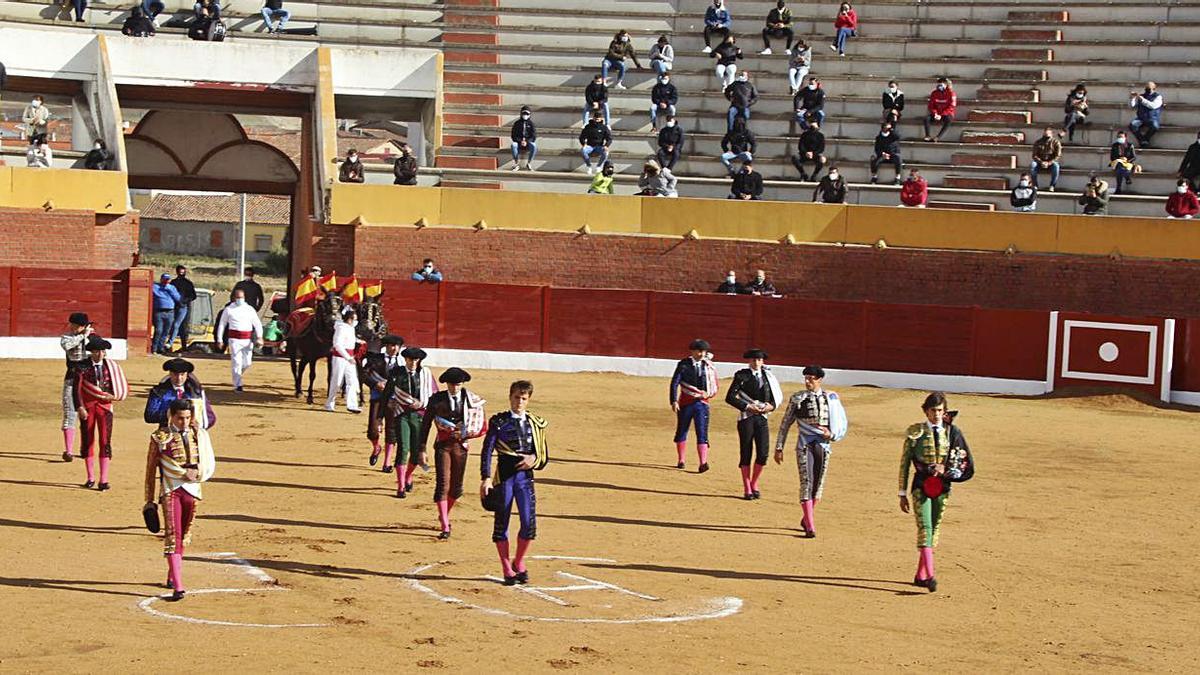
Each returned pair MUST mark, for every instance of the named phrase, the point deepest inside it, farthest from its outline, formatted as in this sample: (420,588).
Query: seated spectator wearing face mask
(39,155)
(1183,202)
(716,22)
(809,103)
(602,183)
(98,158)
(760,285)
(428,273)
(1122,159)
(799,63)
(741,96)
(657,181)
(893,102)
(1024,196)
(36,118)
(739,143)
(351,170)
(670,143)
(943,103)
(779,25)
(405,167)
(595,99)
(747,183)
(731,286)
(727,56)
(845,25)
(618,50)
(915,191)
(663,98)
(524,139)
(137,24)
(662,56)
(1147,107)
(831,189)
(595,138)
(1075,109)
(1094,199)
(206,28)
(1047,150)
(810,148)
(887,149)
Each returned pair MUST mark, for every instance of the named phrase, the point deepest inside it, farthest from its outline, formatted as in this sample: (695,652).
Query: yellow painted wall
(719,218)
(74,189)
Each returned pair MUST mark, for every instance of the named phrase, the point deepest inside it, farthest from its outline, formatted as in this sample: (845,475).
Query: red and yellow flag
(352,292)
(306,290)
(374,290)
(329,281)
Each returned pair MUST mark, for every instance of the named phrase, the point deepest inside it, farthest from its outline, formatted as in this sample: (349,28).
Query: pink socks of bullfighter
(175,570)
(502,549)
(91,472)
(518,563)
(925,566)
(807,522)
(104,469)
(755,473)
(745,480)
(681,450)
(702,450)
(443,508)
(68,442)
(387,453)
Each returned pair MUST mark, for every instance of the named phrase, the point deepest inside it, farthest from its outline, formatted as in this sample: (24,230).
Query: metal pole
(242,242)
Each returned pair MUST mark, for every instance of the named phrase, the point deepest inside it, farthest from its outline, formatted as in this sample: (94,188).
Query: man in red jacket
(915,191)
(1183,202)
(943,103)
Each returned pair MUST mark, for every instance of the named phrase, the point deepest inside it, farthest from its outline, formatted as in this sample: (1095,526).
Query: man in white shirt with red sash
(343,369)
(693,384)
(98,385)
(241,329)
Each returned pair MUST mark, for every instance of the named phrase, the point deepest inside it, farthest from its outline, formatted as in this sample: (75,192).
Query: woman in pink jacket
(846,25)
(1183,203)
(943,103)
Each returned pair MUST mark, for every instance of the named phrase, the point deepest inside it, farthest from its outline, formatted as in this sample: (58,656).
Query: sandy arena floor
(1072,549)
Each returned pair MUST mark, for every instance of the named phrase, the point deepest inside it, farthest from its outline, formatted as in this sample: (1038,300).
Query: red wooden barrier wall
(36,302)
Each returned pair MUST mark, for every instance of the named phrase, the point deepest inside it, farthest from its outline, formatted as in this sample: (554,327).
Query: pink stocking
(412,467)
(104,468)
(69,440)
(91,472)
(175,570)
(922,573)
(702,449)
(681,449)
(807,507)
(745,479)
(927,556)
(444,515)
(401,475)
(758,469)
(522,549)
(387,453)
(502,549)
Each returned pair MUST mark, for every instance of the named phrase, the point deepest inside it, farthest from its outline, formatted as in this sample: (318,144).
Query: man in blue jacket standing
(166,297)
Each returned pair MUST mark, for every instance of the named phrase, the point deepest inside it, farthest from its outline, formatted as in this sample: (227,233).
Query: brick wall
(76,239)
(1076,283)
(334,246)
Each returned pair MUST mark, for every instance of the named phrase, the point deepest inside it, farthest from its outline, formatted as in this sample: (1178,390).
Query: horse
(371,329)
(309,342)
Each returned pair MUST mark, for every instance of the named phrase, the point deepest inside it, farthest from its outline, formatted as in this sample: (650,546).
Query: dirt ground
(1071,550)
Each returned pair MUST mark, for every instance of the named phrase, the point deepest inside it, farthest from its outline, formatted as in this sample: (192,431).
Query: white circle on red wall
(1109,352)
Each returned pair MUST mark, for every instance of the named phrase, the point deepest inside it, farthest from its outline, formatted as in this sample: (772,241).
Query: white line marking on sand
(146,604)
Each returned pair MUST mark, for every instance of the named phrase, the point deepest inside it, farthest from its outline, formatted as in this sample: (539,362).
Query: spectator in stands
(80,6)
(1189,168)
(595,138)
(152,8)
(1122,159)
(915,191)
(831,189)
(731,286)
(1046,152)
(595,99)
(1094,199)
(352,169)
(36,118)
(739,143)
(138,24)
(663,98)
(943,103)
(799,64)
(165,297)
(618,50)
(181,327)
(657,181)
(892,102)
(760,285)
(405,166)
(716,22)
(662,56)
(810,148)
(602,183)
(741,96)
(524,139)
(887,149)
(273,9)
(727,55)
(212,7)
(39,155)
(809,103)
(747,183)
(98,158)
(846,25)
(1076,109)
(252,291)
(670,143)
(779,25)
(1147,118)
(206,28)
(428,273)
(1183,202)
(1024,196)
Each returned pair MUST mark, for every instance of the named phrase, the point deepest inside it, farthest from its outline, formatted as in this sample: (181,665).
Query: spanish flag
(329,281)
(374,290)
(352,292)
(306,290)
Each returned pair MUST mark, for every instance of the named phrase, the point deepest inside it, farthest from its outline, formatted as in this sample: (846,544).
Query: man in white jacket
(343,371)
(241,329)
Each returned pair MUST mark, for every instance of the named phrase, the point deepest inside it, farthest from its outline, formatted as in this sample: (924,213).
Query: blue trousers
(734,111)
(840,40)
(516,488)
(1054,170)
(181,316)
(697,412)
(164,321)
(530,147)
(612,63)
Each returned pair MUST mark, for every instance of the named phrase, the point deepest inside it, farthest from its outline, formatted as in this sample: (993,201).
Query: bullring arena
(447,173)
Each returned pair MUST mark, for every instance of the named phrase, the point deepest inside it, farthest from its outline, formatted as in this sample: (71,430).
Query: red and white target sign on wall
(1091,350)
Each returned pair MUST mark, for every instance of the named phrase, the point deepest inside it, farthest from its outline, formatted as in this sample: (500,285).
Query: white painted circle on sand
(147,602)
(1109,352)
